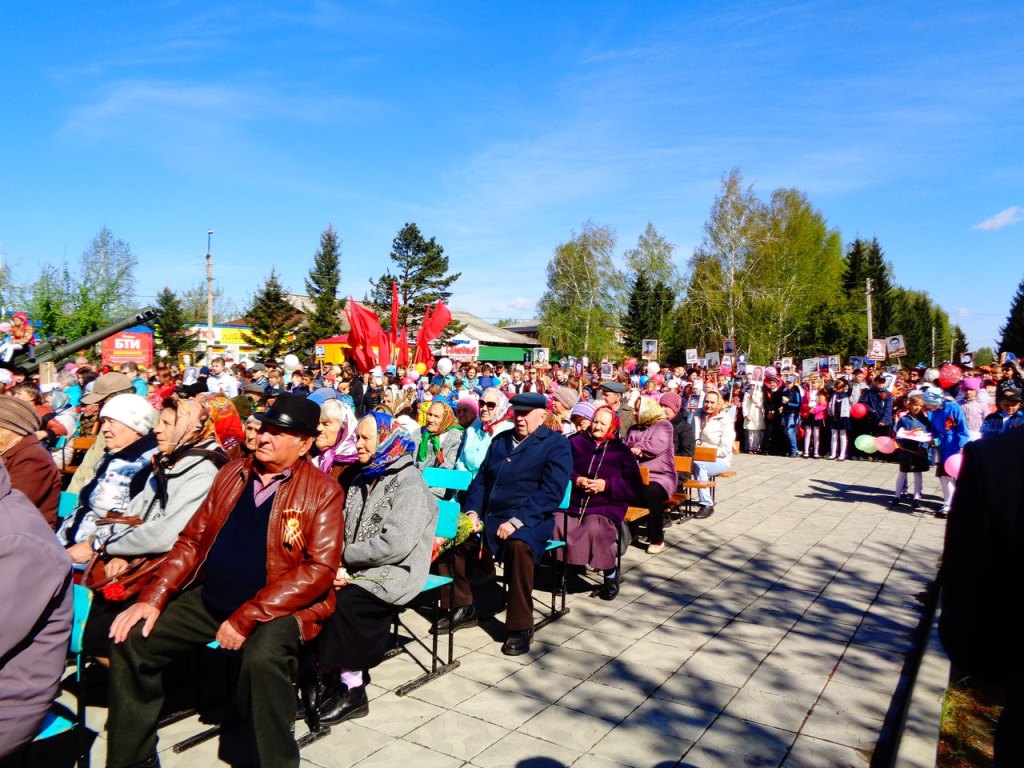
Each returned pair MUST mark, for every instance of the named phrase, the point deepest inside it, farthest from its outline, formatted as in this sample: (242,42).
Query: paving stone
(606,702)
(401,752)
(809,752)
(567,728)
(501,707)
(572,662)
(458,735)
(630,677)
(539,684)
(761,742)
(639,748)
(521,749)
(592,641)
(769,708)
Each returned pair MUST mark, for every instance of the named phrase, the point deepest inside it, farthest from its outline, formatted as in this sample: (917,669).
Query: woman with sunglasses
(493,420)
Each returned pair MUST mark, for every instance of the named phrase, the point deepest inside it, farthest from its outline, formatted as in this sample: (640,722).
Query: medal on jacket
(293,529)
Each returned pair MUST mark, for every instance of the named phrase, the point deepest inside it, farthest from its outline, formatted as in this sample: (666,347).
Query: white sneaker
(655,549)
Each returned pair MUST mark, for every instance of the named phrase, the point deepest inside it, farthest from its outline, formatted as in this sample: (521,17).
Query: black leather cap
(293,413)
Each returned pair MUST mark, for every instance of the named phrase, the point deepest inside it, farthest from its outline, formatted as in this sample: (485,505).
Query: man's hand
(129,618)
(475,519)
(81,552)
(228,637)
(114,566)
(505,530)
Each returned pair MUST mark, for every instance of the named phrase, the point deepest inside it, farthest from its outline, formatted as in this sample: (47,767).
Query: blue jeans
(790,422)
(703,470)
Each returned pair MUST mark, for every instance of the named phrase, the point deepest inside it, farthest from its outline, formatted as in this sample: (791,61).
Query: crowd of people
(281,510)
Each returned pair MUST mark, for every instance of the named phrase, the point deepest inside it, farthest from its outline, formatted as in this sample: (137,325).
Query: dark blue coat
(528,484)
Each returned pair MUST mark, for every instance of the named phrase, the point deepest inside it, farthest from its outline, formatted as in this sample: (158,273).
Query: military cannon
(57,348)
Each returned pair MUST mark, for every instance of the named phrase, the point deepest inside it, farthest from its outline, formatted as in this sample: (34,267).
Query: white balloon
(444,366)
(652,368)
(291,363)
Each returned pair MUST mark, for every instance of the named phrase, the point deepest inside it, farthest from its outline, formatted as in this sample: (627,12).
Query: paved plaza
(773,633)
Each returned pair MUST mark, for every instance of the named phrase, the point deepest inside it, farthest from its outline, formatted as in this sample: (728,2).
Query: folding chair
(66,505)
(557,607)
(447,524)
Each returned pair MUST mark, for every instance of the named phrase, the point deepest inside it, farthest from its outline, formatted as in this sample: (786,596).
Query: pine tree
(270,317)
(959,342)
(421,271)
(636,323)
(880,272)
(171,325)
(322,287)
(1012,334)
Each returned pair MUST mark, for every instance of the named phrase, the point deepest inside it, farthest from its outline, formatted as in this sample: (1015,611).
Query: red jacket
(299,575)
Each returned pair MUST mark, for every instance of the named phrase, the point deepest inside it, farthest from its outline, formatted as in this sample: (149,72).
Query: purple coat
(610,461)
(656,441)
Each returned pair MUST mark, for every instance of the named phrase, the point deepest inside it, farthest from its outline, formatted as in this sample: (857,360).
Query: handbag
(124,585)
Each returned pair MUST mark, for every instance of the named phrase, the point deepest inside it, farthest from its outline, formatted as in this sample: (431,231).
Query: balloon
(414,375)
(421,368)
(859,411)
(865,443)
(652,368)
(952,464)
(643,381)
(407,381)
(658,379)
(629,364)
(885,445)
(291,363)
(444,366)
(949,376)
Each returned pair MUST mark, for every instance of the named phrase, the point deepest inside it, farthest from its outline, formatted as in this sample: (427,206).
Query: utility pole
(209,294)
(933,346)
(871,330)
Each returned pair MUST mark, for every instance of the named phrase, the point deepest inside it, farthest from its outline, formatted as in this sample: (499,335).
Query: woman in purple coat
(605,480)
(651,441)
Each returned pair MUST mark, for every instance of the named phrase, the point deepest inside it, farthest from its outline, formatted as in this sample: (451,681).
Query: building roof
(529,327)
(485,333)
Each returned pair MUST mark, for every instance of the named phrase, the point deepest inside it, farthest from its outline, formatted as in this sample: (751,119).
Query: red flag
(365,334)
(403,348)
(439,318)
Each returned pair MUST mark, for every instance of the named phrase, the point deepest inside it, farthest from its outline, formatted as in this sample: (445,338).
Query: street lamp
(209,294)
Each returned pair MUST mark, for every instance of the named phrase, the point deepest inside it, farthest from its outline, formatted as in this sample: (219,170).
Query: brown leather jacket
(299,577)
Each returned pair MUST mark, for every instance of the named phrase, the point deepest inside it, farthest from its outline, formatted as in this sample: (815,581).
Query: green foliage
(655,285)
(171,325)
(1012,333)
(322,286)
(49,301)
(270,316)
(959,342)
(984,356)
(105,288)
(421,271)
(579,312)
(194,306)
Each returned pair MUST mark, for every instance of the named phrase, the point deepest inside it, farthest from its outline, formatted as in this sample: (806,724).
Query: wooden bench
(637,513)
(79,446)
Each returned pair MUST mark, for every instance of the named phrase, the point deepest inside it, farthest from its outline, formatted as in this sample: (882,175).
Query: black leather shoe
(464,616)
(344,704)
(517,643)
(704,512)
(894,501)
(609,589)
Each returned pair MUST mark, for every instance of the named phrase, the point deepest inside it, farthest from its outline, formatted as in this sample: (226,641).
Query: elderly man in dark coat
(519,487)
(35,592)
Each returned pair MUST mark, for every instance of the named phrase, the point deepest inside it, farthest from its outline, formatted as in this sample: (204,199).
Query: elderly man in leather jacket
(253,570)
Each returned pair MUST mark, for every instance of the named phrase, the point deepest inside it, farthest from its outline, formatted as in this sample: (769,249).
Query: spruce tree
(270,317)
(959,342)
(1012,334)
(421,271)
(322,287)
(637,320)
(171,325)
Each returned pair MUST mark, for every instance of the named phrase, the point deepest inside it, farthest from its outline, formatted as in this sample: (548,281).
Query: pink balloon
(413,375)
(952,464)
(885,444)
(858,410)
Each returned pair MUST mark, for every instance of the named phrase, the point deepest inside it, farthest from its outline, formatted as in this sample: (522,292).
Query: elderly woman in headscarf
(492,420)
(651,440)
(176,482)
(126,422)
(336,439)
(390,517)
(605,480)
(440,439)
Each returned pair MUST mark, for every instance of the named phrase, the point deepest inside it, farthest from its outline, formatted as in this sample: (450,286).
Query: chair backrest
(684,464)
(66,505)
(83,443)
(451,479)
(705,453)
(565,499)
(447,518)
(82,603)
(645,475)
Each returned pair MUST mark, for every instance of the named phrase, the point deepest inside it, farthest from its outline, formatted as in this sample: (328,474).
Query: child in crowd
(838,418)
(916,430)
(815,423)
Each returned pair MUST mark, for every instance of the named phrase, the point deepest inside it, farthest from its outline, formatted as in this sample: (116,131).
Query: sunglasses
(485,404)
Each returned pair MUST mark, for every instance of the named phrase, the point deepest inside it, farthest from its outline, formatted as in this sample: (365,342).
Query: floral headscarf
(448,422)
(650,412)
(500,413)
(613,428)
(393,442)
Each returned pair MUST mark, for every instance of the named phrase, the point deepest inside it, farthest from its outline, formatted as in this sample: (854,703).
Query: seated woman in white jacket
(718,431)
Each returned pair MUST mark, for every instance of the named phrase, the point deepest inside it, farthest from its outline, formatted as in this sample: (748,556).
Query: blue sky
(501,128)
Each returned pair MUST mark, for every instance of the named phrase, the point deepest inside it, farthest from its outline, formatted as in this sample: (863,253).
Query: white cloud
(521,303)
(1006,217)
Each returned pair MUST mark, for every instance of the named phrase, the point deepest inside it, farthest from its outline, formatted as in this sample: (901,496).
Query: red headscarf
(613,429)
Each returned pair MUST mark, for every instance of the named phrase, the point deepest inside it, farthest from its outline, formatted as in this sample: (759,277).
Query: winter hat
(971,382)
(17,416)
(131,410)
(932,397)
(584,409)
(567,397)
(672,400)
(471,403)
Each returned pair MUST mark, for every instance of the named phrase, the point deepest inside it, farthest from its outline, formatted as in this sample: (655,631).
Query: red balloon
(949,375)
(859,410)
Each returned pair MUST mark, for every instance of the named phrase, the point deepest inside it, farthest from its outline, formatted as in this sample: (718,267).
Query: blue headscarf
(393,442)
